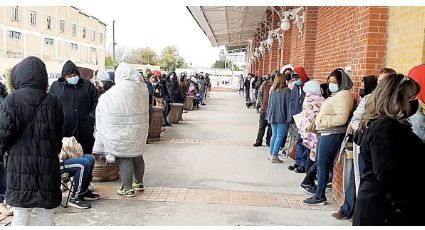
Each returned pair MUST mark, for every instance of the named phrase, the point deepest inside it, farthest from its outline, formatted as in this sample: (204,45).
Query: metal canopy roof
(231,26)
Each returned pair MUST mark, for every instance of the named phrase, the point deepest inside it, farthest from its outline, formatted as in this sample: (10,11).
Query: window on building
(74,46)
(94,36)
(15,13)
(101,38)
(48,41)
(84,32)
(74,30)
(62,26)
(15,35)
(93,50)
(49,22)
(33,18)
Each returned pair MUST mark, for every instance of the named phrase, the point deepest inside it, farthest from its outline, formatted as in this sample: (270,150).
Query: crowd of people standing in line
(48,131)
(381,135)
(169,88)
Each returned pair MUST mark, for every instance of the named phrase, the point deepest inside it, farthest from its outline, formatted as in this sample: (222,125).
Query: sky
(138,26)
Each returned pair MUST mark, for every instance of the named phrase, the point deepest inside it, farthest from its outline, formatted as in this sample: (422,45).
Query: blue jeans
(302,152)
(80,169)
(361,164)
(279,131)
(327,149)
(347,209)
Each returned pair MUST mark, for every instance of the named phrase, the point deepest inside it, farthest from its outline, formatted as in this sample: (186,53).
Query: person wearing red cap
(301,72)
(418,119)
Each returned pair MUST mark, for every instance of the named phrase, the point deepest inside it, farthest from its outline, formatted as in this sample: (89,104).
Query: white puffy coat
(122,115)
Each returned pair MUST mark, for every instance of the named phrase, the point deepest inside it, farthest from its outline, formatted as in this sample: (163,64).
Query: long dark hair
(279,83)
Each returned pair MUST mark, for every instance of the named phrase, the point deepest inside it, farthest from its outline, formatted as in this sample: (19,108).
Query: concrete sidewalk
(204,171)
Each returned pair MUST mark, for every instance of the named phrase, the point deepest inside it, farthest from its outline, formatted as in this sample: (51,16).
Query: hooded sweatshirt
(79,102)
(311,107)
(122,119)
(336,109)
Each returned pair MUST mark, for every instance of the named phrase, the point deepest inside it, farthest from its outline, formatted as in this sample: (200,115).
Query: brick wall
(338,37)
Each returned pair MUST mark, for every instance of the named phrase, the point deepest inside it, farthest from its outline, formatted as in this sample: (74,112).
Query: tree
(219,64)
(143,56)
(109,63)
(170,59)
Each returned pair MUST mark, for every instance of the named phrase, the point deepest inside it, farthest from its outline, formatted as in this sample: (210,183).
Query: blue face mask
(333,87)
(298,82)
(73,80)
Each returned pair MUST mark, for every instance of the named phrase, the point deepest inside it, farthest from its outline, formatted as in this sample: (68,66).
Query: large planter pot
(175,114)
(104,172)
(188,103)
(155,124)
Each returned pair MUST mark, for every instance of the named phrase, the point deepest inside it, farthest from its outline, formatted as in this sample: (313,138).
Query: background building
(53,33)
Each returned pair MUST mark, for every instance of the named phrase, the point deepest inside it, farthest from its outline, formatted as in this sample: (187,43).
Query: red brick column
(285,57)
(310,39)
(274,54)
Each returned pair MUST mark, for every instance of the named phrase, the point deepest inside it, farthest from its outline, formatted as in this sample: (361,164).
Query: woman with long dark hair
(393,156)
(278,115)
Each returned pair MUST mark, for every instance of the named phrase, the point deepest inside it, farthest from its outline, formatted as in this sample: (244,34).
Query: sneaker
(338,215)
(256,144)
(89,195)
(138,186)
(300,169)
(275,159)
(308,188)
(127,193)
(329,185)
(77,203)
(315,201)
(293,167)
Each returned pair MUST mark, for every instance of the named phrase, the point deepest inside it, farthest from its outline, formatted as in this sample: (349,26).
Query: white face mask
(73,80)
(333,87)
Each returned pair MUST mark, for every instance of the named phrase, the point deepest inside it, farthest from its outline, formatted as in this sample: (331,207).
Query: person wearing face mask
(158,91)
(79,100)
(388,145)
(355,120)
(331,124)
(346,211)
(418,119)
(297,99)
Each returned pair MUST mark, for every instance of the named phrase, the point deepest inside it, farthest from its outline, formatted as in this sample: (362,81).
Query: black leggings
(310,173)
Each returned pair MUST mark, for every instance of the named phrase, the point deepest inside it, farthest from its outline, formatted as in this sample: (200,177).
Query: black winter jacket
(79,104)
(33,179)
(174,90)
(388,192)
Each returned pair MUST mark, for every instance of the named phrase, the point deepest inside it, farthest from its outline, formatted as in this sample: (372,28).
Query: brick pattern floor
(5,220)
(205,141)
(223,197)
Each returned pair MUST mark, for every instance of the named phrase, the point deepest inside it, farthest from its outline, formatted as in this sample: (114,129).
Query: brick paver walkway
(211,196)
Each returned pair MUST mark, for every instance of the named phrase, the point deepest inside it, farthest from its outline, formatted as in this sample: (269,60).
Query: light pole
(113,41)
